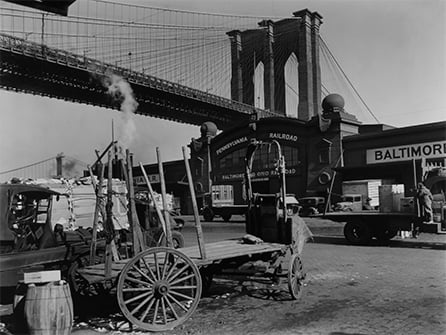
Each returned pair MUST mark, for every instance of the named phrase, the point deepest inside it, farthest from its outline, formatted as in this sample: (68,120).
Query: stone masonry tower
(273,43)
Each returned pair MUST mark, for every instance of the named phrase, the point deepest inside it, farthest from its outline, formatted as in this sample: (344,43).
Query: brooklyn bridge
(183,66)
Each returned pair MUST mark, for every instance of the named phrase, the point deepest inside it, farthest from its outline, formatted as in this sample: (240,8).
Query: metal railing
(20,46)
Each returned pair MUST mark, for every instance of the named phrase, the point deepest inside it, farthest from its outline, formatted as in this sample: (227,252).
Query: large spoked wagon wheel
(159,289)
(295,276)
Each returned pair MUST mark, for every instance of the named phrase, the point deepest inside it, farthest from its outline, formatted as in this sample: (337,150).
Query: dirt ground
(399,289)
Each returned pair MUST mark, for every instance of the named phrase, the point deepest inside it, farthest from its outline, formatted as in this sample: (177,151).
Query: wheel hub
(160,288)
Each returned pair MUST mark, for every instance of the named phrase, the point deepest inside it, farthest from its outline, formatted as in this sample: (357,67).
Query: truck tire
(226,217)
(357,232)
(208,214)
(177,239)
(384,234)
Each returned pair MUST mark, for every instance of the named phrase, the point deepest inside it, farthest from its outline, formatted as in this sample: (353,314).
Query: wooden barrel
(49,309)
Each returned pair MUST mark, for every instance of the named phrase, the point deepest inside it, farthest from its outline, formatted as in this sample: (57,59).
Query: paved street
(396,289)
(362,290)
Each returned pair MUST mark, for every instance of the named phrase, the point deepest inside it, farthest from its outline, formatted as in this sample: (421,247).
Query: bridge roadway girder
(28,74)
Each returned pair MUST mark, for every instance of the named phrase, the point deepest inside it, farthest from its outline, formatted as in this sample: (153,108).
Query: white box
(390,197)
(41,276)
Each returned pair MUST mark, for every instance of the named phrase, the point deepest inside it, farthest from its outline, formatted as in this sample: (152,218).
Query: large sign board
(245,139)
(407,152)
(153,179)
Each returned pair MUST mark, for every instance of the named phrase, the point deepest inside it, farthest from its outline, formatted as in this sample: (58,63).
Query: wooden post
(163,195)
(152,195)
(109,219)
(98,209)
(138,240)
(195,207)
(415,182)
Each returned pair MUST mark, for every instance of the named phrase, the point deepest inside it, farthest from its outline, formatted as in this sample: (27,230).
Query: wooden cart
(159,288)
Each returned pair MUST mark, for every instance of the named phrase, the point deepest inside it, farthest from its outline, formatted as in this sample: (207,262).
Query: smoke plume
(121,90)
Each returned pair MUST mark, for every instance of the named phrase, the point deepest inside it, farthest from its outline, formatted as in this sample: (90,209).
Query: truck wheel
(385,234)
(357,232)
(226,217)
(177,239)
(208,214)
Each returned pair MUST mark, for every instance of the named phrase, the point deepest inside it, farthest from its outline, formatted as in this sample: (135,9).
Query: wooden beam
(195,207)
(163,195)
(152,195)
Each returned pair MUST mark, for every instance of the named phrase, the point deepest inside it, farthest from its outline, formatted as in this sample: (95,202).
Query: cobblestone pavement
(361,290)
(349,290)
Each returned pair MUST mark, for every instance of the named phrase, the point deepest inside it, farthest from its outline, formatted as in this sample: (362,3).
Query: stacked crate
(390,198)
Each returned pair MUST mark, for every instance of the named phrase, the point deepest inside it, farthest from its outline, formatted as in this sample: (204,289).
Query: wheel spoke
(182,279)
(177,302)
(137,281)
(136,289)
(143,274)
(163,307)
(166,256)
(171,307)
(156,266)
(143,316)
(142,295)
(182,295)
(183,287)
(155,314)
(148,268)
(137,308)
(178,273)
(172,268)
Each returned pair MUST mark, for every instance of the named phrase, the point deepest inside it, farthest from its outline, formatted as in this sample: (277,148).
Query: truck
(221,203)
(359,194)
(395,213)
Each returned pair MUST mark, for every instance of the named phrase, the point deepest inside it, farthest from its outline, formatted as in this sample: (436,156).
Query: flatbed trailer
(361,227)
(160,288)
(224,211)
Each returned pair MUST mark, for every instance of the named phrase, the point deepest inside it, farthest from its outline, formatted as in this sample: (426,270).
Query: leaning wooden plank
(109,219)
(195,208)
(152,196)
(98,192)
(163,195)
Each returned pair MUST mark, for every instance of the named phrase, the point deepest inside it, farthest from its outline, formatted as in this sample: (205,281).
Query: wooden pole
(109,220)
(163,195)
(415,182)
(152,195)
(138,240)
(98,209)
(195,207)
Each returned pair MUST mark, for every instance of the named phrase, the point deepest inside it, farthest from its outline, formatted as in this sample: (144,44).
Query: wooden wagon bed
(215,252)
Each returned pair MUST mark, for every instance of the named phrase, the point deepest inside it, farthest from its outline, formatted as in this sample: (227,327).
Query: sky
(393,52)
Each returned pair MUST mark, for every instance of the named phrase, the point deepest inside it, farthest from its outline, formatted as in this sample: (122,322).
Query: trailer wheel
(295,276)
(357,232)
(385,234)
(159,289)
(208,214)
(177,239)
(226,217)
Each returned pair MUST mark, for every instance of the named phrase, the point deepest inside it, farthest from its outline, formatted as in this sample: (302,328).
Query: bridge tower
(277,46)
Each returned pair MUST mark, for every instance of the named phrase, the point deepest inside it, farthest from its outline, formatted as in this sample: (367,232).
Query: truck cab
(311,205)
(350,203)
